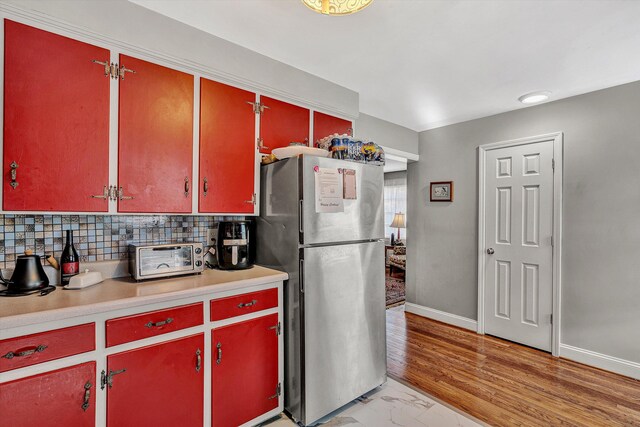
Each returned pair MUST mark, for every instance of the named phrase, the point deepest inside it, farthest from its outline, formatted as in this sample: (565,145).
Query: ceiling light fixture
(535,97)
(336,7)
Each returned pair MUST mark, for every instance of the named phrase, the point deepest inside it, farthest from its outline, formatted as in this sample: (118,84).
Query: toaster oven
(171,259)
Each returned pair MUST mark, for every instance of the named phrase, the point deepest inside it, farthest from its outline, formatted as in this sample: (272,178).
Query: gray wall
(386,133)
(143,28)
(601,252)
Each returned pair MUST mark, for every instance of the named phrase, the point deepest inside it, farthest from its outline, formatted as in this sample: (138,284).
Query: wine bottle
(69,261)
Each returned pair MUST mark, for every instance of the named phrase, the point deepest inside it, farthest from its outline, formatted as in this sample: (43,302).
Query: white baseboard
(441,316)
(602,361)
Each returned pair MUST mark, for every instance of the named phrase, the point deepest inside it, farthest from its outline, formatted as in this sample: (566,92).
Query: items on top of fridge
(346,147)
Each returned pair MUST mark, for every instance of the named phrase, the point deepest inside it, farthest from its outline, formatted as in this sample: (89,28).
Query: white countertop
(113,294)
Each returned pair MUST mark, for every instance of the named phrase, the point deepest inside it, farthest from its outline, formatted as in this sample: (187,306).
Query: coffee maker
(234,245)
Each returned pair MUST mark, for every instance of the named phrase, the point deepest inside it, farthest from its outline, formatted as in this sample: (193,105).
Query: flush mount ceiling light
(336,7)
(535,97)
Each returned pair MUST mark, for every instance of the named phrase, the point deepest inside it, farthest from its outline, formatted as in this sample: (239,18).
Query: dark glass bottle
(69,261)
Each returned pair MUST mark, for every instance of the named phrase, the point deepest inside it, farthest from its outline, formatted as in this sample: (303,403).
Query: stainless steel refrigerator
(335,340)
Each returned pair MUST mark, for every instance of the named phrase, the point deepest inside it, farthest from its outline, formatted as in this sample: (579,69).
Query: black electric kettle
(28,277)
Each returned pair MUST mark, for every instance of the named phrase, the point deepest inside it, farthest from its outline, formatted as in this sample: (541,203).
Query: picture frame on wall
(441,191)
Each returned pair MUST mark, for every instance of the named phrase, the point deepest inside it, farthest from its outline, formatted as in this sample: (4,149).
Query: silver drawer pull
(247,304)
(38,349)
(158,324)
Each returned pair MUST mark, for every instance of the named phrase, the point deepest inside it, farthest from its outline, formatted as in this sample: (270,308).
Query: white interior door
(518,291)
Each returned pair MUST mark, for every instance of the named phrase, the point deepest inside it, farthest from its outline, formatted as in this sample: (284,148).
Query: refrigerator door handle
(300,217)
(301,279)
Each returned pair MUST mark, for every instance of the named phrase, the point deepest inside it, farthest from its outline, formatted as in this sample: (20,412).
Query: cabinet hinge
(551,318)
(276,328)
(107,379)
(551,241)
(258,107)
(278,392)
(113,70)
(553,164)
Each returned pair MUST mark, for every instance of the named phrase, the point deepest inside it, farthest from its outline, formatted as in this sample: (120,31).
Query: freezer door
(363,217)
(344,325)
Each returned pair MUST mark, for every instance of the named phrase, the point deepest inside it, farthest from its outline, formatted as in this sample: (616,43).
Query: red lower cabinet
(245,371)
(157,385)
(65,397)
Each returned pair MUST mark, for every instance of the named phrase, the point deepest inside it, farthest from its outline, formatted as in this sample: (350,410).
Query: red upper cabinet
(282,123)
(325,125)
(155,151)
(227,149)
(65,397)
(157,385)
(56,122)
(244,382)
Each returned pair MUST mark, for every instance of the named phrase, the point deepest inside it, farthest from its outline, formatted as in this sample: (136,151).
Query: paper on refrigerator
(328,190)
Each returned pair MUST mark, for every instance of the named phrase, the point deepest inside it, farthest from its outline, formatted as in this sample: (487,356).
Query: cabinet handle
(198,360)
(87,395)
(14,175)
(158,324)
(261,144)
(121,195)
(38,349)
(104,195)
(219,358)
(247,304)
(186,186)
(252,201)
(205,186)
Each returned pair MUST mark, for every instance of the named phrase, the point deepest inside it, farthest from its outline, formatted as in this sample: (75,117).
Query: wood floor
(502,383)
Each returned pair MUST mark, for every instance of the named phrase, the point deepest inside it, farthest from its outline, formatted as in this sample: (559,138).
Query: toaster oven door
(165,260)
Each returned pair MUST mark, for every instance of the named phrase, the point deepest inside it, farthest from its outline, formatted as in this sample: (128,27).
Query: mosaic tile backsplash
(96,237)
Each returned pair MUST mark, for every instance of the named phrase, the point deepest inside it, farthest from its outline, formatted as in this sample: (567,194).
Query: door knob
(490,251)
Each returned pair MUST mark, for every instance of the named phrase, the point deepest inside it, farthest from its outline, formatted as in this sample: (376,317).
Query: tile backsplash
(96,237)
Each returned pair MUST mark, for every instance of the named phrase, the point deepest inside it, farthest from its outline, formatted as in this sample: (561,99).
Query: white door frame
(558,143)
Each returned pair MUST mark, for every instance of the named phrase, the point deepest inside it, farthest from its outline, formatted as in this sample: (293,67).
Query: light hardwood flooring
(503,383)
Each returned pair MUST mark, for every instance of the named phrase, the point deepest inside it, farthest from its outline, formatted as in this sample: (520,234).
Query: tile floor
(393,404)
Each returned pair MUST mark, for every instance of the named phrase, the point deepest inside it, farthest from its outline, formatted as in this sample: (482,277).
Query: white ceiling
(428,63)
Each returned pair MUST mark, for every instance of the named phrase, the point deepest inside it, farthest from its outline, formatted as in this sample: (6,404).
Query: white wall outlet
(212,236)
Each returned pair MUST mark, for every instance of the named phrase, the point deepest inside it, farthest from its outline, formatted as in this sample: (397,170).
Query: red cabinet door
(244,378)
(157,385)
(282,123)
(65,397)
(227,149)
(56,122)
(325,125)
(155,151)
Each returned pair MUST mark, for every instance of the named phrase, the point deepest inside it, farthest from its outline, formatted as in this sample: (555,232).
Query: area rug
(395,290)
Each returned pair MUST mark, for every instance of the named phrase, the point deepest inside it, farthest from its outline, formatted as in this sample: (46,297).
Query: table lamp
(398,222)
